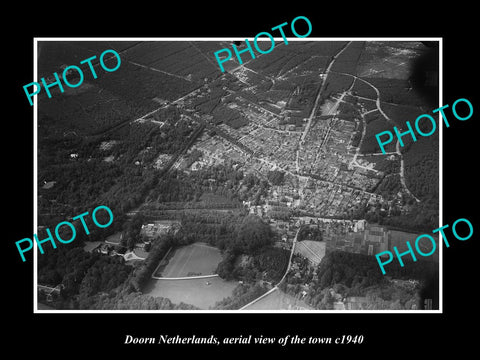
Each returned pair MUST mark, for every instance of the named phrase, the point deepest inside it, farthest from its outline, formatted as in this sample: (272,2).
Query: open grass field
(192,260)
(203,293)
(278,300)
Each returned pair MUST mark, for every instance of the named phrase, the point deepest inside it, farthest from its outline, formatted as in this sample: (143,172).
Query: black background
(63,335)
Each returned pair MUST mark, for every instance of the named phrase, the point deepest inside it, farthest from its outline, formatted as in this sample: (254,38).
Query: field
(312,250)
(390,59)
(278,300)
(192,260)
(203,293)
(399,239)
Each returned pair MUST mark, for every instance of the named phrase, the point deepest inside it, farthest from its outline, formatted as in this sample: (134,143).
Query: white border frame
(35,179)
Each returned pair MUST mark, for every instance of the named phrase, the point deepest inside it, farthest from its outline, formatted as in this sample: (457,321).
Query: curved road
(379,108)
(312,112)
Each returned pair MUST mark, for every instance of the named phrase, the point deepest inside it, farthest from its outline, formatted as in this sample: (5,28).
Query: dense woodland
(357,275)
(82,274)
(219,180)
(307,232)
(422,169)
(86,179)
(126,300)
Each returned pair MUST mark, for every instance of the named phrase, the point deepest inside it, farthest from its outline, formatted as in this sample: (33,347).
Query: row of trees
(158,250)
(223,180)
(136,301)
(421,167)
(267,264)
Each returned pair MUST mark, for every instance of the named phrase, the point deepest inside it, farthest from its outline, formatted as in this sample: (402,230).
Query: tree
(310,233)
(226,266)
(276,177)
(396,305)
(251,234)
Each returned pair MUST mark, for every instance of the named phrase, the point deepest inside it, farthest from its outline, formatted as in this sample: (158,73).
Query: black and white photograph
(262,187)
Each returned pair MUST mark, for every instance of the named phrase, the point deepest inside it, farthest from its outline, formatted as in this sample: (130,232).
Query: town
(278,145)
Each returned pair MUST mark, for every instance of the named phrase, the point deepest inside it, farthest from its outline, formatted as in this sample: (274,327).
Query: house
(103,248)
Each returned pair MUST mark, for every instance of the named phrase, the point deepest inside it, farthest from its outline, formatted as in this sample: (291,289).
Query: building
(160,227)
(356,303)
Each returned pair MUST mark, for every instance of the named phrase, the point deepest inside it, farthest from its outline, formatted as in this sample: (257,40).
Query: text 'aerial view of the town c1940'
(259,188)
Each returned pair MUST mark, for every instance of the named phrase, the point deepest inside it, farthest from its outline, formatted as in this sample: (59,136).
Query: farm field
(399,239)
(278,300)
(314,251)
(192,260)
(202,293)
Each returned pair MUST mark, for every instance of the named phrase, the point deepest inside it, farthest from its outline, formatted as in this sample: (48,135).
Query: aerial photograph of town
(261,188)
